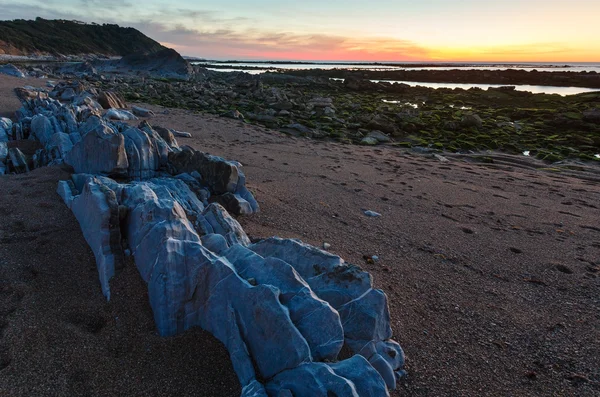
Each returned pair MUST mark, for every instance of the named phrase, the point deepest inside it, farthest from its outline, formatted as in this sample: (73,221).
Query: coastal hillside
(42,36)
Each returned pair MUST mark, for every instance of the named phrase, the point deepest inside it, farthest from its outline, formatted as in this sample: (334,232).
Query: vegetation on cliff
(42,36)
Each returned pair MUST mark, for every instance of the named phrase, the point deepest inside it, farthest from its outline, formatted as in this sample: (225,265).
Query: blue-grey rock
(328,275)
(142,112)
(255,389)
(56,125)
(42,128)
(188,285)
(67,115)
(75,137)
(87,99)
(66,190)
(119,114)
(273,342)
(215,243)
(79,180)
(365,378)
(372,214)
(17,161)
(322,380)
(100,151)
(11,70)
(97,212)
(316,320)
(180,134)
(3,157)
(60,143)
(166,135)
(234,204)
(142,157)
(68,94)
(3,135)
(222,223)
(3,152)
(387,357)
(6,124)
(224,179)
(367,317)
(94,123)
(219,175)
(20,131)
(180,192)
(150,223)
(363,310)
(161,146)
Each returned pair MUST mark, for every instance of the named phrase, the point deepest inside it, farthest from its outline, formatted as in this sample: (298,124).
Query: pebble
(326,246)
(372,214)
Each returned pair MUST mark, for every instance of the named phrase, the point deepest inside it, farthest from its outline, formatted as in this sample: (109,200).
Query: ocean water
(536,89)
(260,67)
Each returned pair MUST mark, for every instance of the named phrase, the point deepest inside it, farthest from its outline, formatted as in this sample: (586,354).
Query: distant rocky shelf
(503,77)
(356,109)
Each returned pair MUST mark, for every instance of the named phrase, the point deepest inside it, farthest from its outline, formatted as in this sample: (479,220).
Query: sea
(273,66)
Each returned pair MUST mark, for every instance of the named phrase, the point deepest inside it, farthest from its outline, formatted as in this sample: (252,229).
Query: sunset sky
(375,30)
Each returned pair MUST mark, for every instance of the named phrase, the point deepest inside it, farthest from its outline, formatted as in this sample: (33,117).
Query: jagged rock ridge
(283,309)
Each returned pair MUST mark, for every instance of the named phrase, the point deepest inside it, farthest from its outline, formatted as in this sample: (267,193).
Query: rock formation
(283,309)
(11,70)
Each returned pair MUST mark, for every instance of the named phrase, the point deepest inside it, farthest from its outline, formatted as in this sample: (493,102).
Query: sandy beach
(491,269)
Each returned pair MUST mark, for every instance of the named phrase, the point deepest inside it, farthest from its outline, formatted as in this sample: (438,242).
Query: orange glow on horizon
(391,50)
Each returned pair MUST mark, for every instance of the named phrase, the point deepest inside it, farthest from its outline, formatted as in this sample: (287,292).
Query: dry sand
(491,271)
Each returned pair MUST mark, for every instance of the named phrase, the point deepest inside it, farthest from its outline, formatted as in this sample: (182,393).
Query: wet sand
(491,270)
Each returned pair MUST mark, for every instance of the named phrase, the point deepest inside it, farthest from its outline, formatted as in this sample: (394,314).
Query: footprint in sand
(10,299)
(569,213)
(87,322)
(563,269)
(5,357)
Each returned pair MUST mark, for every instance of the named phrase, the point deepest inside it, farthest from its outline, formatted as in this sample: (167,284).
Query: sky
(348,30)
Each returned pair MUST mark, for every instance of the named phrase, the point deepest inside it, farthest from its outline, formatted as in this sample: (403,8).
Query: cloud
(251,43)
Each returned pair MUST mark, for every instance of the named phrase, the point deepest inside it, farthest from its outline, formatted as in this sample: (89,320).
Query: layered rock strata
(283,309)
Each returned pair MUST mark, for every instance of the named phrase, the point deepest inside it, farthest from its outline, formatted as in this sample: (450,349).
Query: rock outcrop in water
(283,309)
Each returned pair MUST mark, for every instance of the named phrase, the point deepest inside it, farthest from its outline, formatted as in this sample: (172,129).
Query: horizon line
(254,60)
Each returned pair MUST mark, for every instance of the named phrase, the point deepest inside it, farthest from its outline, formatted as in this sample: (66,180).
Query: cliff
(61,37)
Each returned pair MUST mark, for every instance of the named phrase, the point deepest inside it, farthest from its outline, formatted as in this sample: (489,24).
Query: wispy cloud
(255,43)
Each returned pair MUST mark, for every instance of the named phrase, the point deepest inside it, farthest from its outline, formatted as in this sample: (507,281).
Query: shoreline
(362,111)
(514,74)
